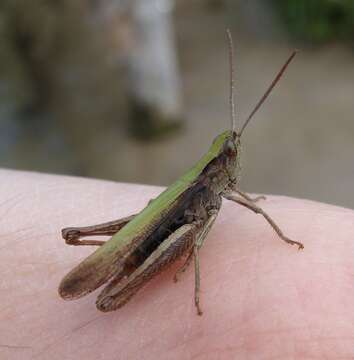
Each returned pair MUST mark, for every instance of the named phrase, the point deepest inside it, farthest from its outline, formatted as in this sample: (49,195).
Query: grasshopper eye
(230,148)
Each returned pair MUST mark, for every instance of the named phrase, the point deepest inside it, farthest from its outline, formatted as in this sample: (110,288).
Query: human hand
(261,298)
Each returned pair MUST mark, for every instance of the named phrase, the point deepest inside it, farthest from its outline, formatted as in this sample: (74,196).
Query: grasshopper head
(232,152)
(228,151)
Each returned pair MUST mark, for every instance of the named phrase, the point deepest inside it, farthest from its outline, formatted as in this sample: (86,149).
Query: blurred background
(135,91)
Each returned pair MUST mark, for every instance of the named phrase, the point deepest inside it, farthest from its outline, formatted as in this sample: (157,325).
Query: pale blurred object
(155,79)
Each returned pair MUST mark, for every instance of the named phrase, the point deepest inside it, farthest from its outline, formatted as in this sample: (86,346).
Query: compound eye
(230,148)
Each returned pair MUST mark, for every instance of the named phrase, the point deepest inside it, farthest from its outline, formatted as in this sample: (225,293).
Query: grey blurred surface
(301,143)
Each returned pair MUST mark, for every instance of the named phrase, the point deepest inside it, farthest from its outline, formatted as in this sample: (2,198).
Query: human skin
(262,299)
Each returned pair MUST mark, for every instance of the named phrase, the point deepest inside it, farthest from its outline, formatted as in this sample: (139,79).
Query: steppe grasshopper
(173,225)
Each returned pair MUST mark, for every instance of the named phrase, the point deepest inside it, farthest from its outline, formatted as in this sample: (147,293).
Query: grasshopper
(173,225)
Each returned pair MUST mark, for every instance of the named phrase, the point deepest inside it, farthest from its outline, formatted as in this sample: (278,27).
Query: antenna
(232,80)
(270,88)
